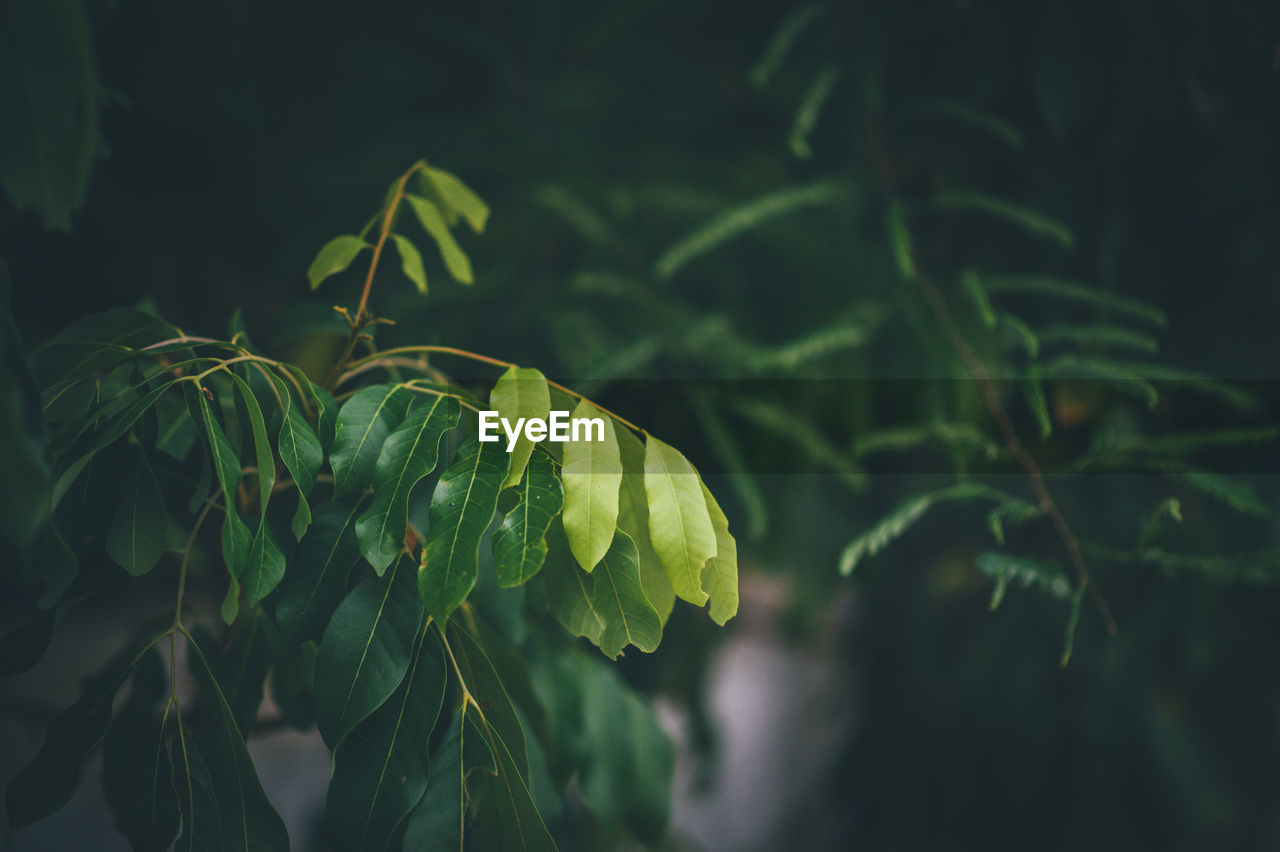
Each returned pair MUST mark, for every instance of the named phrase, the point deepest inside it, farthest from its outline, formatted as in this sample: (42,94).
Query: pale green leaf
(455,259)
(411,262)
(334,257)
(521,393)
(720,574)
(633,519)
(459,197)
(679,522)
(592,474)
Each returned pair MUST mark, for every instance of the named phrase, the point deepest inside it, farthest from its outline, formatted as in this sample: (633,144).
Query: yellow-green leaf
(433,223)
(335,256)
(592,476)
(411,262)
(520,393)
(679,522)
(720,574)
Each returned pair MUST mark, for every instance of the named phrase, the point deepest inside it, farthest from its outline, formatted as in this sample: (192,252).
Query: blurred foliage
(746,198)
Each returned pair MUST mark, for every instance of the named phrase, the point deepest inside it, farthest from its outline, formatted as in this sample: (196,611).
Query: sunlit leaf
(720,574)
(458,196)
(679,522)
(592,474)
(521,393)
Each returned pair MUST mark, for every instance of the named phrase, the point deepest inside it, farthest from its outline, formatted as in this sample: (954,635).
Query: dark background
(239,137)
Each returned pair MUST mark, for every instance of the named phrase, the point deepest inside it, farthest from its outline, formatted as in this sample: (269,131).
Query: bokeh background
(889,710)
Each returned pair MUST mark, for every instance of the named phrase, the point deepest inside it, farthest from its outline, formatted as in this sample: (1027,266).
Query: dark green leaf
(301,453)
(136,539)
(515,822)
(489,689)
(223,805)
(365,651)
(408,455)
(364,422)
(519,544)
(25,491)
(317,578)
(438,823)
(137,774)
(48,782)
(462,508)
(380,771)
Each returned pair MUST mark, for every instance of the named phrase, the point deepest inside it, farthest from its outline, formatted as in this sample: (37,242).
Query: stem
(361,319)
(186,557)
(475,356)
(951,330)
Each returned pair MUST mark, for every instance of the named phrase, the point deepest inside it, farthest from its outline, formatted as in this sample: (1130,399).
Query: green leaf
(48,782)
(489,690)
(459,197)
(1123,376)
(608,606)
(1020,332)
(796,22)
(365,651)
(51,98)
(679,522)
(810,108)
(137,777)
(462,508)
(136,538)
(633,519)
(334,257)
(364,422)
(720,574)
(514,822)
(407,456)
(1033,221)
(1005,569)
(241,666)
(592,476)
(894,525)
(455,259)
(381,770)
(236,538)
(1074,291)
(302,455)
(520,393)
(628,771)
(316,580)
(519,544)
(223,805)
(1033,390)
(978,295)
(411,263)
(1110,336)
(740,219)
(265,564)
(439,822)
